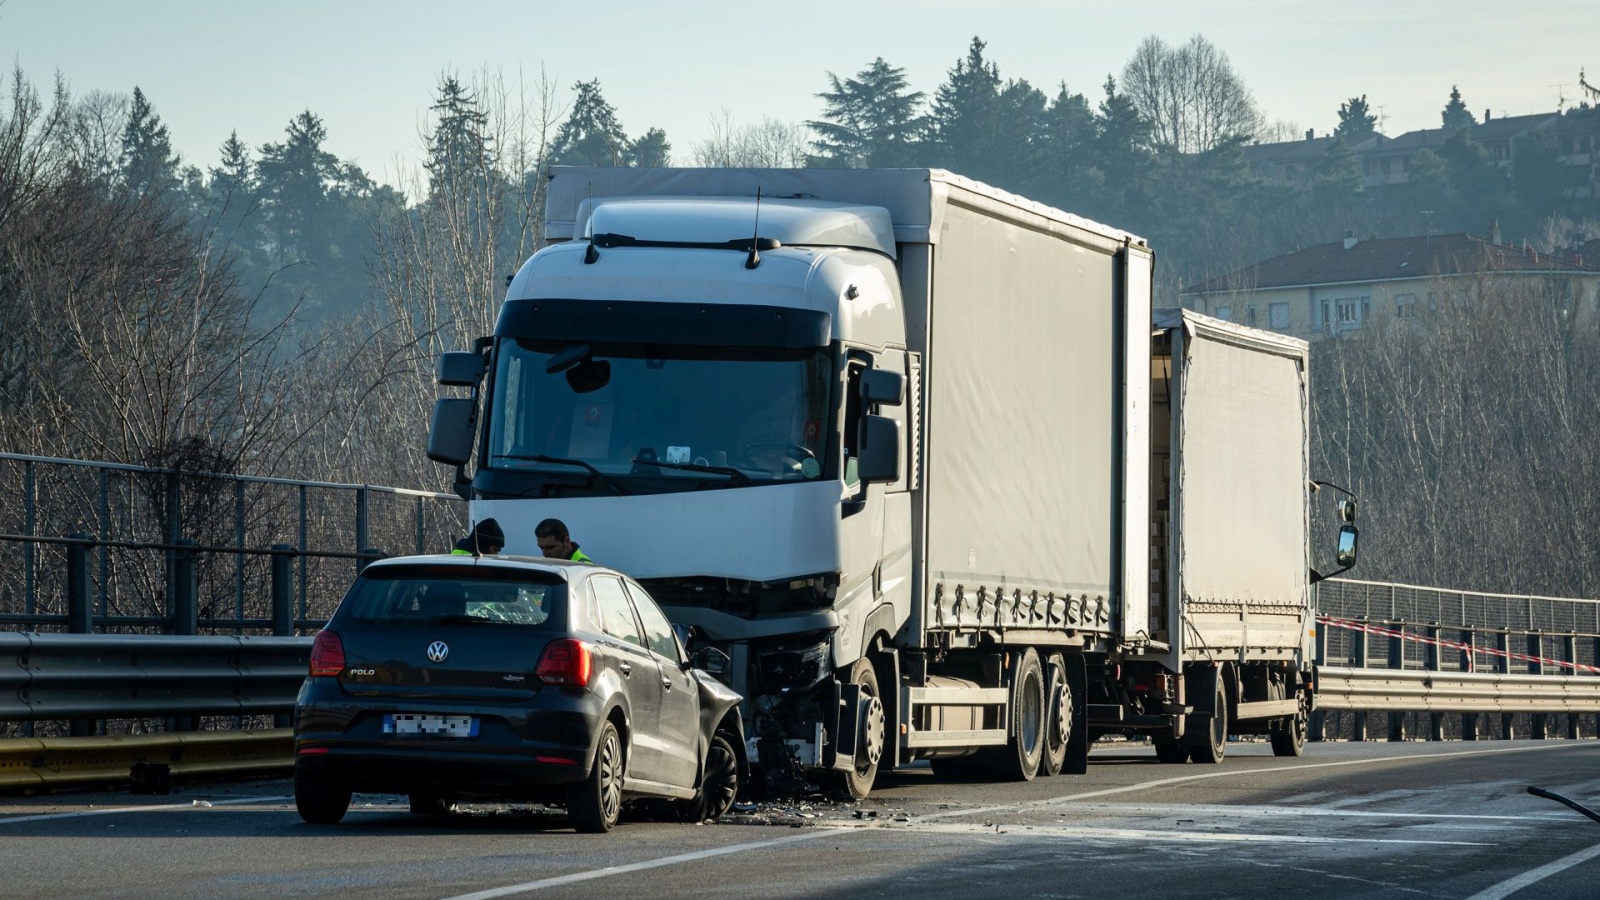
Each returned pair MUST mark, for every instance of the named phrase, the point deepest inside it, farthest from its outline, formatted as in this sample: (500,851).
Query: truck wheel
(1170,751)
(1028,717)
(595,803)
(1213,726)
(1290,737)
(1058,706)
(857,782)
(318,800)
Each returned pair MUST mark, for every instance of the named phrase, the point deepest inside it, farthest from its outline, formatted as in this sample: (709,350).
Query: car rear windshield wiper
(464,619)
(562,461)
(738,477)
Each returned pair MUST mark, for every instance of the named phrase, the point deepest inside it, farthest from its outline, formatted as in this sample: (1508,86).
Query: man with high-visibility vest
(556,543)
(485,539)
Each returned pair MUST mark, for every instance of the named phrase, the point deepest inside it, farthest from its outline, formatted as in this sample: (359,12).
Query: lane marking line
(1184,779)
(163,807)
(1158,834)
(1533,876)
(575,877)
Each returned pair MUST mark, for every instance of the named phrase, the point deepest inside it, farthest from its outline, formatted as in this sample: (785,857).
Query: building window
(1225,313)
(1278,316)
(1405,306)
(1342,313)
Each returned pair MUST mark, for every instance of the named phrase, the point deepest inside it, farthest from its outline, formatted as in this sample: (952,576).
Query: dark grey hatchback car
(454,678)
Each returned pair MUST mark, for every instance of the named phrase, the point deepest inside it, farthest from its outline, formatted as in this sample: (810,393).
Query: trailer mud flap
(1077,761)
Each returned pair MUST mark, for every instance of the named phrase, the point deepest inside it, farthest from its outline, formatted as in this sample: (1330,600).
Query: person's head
(488,537)
(554,541)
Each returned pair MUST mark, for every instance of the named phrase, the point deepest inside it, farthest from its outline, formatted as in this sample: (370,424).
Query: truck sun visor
(719,324)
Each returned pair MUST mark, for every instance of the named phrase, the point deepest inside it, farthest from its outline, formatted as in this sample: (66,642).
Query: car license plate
(428,725)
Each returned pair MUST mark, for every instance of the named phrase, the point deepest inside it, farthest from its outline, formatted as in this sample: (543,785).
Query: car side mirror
(711,661)
(450,431)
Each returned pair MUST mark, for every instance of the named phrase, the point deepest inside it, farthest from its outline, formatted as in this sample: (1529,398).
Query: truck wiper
(738,477)
(601,476)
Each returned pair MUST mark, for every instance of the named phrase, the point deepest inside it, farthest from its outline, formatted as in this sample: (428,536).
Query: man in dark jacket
(556,543)
(486,538)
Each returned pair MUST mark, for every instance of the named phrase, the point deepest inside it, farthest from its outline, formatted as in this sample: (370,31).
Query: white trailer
(898,443)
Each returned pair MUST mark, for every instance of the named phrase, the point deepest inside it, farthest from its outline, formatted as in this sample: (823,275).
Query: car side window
(616,613)
(657,630)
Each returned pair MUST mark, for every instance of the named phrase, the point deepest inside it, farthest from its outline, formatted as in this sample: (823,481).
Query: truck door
(872,514)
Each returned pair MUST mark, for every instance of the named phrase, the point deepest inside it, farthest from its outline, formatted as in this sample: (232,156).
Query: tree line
(277,312)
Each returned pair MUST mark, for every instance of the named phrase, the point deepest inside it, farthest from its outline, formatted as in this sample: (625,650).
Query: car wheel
(857,782)
(1215,723)
(719,783)
(1058,723)
(317,798)
(595,803)
(1291,739)
(426,804)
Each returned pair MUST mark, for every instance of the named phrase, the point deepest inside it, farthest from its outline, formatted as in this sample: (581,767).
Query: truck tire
(1170,751)
(857,782)
(1058,724)
(1289,739)
(1212,726)
(1028,716)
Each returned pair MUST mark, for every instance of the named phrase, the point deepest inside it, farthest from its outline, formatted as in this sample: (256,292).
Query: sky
(369,69)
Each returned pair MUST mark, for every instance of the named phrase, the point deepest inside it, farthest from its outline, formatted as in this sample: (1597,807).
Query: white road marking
(1292,812)
(163,807)
(574,877)
(1533,876)
(1157,834)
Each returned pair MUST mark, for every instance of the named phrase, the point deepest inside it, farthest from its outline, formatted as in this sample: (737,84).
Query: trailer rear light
(327,654)
(565,661)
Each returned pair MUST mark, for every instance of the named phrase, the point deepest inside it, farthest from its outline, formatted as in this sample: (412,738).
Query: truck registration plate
(428,725)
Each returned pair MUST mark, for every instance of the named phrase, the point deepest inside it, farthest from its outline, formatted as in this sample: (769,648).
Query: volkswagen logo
(438,651)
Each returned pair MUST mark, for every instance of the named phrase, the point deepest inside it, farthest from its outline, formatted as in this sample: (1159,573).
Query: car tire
(719,783)
(595,803)
(317,798)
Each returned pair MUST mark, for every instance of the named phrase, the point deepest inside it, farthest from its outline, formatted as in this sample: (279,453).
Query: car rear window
(486,595)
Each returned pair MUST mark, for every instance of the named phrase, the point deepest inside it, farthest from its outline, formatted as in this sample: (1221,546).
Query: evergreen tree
(460,152)
(1072,178)
(964,127)
(591,135)
(232,203)
(1336,181)
(147,164)
(1122,147)
(870,120)
(295,175)
(1356,121)
(1456,116)
(651,150)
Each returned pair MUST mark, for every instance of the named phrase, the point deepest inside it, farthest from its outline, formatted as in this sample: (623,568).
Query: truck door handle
(627,668)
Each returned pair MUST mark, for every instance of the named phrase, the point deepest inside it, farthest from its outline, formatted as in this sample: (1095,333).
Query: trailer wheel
(1029,717)
(1214,726)
(1289,739)
(1058,723)
(857,782)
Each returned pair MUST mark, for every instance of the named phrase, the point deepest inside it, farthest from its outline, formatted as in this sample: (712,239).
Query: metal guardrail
(1341,687)
(84,677)
(153,759)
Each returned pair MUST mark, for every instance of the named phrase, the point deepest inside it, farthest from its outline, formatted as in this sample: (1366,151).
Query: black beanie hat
(488,532)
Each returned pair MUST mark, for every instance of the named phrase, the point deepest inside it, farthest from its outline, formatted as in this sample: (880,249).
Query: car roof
(565,569)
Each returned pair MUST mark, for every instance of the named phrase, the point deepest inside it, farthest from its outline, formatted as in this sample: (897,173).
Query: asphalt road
(1367,820)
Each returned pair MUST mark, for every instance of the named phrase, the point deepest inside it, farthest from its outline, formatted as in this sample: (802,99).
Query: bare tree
(1191,96)
(767,144)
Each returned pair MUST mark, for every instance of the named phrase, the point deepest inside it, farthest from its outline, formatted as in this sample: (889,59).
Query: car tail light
(565,661)
(327,654)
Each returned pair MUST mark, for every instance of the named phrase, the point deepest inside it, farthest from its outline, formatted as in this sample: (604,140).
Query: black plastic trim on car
(653,322)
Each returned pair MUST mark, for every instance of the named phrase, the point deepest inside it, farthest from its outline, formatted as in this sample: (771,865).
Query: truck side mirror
(1346,554)
(883,386)
(450,431)
(880,450)
(460,368)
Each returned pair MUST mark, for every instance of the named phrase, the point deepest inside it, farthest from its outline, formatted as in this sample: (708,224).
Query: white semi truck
(917,455)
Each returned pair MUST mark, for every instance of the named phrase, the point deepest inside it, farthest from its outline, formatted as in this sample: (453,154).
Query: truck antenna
(591,255)
(754,259)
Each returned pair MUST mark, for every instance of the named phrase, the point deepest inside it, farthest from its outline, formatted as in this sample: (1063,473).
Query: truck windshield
(673,416)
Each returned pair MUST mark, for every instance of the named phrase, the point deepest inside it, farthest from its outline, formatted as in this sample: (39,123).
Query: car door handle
(666,683)
(627,668)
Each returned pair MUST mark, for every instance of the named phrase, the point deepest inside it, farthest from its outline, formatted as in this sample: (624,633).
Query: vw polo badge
(438,651)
